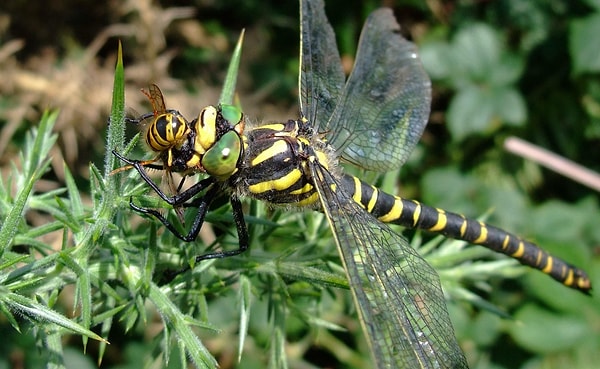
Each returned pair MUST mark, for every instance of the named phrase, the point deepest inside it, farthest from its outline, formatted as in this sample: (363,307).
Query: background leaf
(585,48)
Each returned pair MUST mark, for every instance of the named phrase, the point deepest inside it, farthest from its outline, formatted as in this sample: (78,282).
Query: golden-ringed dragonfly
(372,120)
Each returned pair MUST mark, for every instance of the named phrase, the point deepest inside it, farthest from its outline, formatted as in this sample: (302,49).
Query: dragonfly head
(218,139)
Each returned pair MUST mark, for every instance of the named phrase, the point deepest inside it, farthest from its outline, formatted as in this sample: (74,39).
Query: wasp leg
(175,200)
(140,119)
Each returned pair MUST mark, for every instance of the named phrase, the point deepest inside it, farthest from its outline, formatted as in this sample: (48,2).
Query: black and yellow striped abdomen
(275,169)
(413,214)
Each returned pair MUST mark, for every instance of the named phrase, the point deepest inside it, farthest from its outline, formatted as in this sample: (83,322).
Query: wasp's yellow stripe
(279,184)
(280,146)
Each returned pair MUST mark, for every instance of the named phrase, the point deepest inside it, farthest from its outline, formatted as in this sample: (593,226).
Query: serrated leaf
(74,194)
(228,92)
(37,166)
(301,272)
(278,357)
(175,319)
(54,344)
(36,311)
(8,315)
(83,290)
(116,132)
(244,301)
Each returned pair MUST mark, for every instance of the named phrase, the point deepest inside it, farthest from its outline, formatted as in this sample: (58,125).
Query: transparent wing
(321,77)
(155,96)
(398,295)
(385,105)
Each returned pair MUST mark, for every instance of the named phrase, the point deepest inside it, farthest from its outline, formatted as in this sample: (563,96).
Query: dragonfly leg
(242,231)
(202,205)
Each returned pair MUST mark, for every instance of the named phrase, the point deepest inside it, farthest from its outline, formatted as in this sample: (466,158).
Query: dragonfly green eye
(231,113)
(221,160)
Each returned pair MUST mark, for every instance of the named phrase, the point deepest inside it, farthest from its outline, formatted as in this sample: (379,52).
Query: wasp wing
(154,94)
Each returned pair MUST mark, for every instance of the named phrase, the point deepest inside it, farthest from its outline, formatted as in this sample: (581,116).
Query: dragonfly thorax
(275,164)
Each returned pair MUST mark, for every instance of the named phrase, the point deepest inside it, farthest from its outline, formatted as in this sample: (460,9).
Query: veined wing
(398,295)
(156,98)
(385,104)
(321,76)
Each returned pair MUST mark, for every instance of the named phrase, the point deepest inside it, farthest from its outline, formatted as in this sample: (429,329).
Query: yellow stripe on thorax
(323,159)
(273,126)
(305,189)
(309,200)
(280,146)
(279,184)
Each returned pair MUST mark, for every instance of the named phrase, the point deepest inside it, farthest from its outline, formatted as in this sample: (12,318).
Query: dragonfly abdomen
(413,214)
